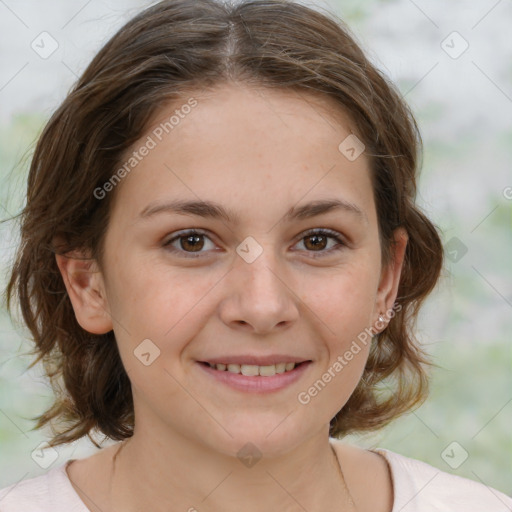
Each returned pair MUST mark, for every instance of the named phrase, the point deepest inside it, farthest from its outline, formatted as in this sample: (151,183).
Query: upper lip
(255,360)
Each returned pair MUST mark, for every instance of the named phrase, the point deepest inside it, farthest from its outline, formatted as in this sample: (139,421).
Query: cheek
(345,307)
(165,305)
(344,300)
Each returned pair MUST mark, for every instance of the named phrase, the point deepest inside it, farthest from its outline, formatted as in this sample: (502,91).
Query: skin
(257,152)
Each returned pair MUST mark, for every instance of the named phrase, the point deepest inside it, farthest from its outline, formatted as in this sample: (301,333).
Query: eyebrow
(213,210)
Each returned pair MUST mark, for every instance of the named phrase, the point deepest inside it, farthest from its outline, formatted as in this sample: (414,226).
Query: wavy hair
(186,45)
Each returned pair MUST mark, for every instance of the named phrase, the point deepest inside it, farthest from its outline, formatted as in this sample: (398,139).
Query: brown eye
(317,240)
(191,242)
(187,243)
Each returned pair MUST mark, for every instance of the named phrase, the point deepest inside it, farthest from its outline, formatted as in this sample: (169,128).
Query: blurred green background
(464,108)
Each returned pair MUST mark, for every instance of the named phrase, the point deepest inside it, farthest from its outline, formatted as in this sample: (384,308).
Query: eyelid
(326,231)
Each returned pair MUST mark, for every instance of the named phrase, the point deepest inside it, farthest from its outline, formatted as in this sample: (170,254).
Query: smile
(251,370)
(254,378)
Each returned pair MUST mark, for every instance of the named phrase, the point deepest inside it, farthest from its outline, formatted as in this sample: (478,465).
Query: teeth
(280,367)
(251,370)
(234,368)
(267,371)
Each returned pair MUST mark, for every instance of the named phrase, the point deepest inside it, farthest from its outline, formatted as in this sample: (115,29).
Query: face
(260,276)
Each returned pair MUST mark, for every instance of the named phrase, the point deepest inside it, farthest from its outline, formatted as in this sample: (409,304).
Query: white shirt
(417,487)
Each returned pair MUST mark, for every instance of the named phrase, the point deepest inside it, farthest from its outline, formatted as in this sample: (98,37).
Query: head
(255,107)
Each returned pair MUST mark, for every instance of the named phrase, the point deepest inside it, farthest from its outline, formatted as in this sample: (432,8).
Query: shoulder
(419,486)
(51,492)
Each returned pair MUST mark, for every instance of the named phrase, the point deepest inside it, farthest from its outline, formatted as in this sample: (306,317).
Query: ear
(390,278)
(86,289)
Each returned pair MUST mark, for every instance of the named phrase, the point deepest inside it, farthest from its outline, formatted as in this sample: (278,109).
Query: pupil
(193,240)
(317,238)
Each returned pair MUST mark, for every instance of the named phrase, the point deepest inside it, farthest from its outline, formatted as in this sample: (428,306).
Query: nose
(258,297)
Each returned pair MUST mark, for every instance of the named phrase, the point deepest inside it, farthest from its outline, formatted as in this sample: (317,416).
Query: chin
(253,439)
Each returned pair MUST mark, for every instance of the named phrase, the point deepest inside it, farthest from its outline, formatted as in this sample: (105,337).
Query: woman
(221,264)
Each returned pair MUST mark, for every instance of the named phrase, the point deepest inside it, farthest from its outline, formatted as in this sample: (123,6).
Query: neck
(182,475)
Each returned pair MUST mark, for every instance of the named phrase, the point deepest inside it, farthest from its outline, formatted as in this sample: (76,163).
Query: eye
(317,239)
(189,243)
(190,240)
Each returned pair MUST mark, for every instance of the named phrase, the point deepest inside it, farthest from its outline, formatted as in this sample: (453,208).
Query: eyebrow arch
(211,209)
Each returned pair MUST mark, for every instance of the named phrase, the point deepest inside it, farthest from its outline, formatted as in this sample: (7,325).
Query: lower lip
(256,383)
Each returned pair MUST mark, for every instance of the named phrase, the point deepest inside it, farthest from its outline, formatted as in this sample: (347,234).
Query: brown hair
(185,45)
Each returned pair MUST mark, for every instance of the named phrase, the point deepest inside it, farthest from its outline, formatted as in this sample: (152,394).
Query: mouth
(253,370)
(251,378)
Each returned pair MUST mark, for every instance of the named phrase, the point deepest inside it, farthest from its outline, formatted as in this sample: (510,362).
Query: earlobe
(390,275)
(86,290)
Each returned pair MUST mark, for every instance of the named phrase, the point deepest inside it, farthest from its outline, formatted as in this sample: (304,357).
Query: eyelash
(322,232)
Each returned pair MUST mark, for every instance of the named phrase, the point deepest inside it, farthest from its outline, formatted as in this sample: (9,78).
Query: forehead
(249,146)
(246,108)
